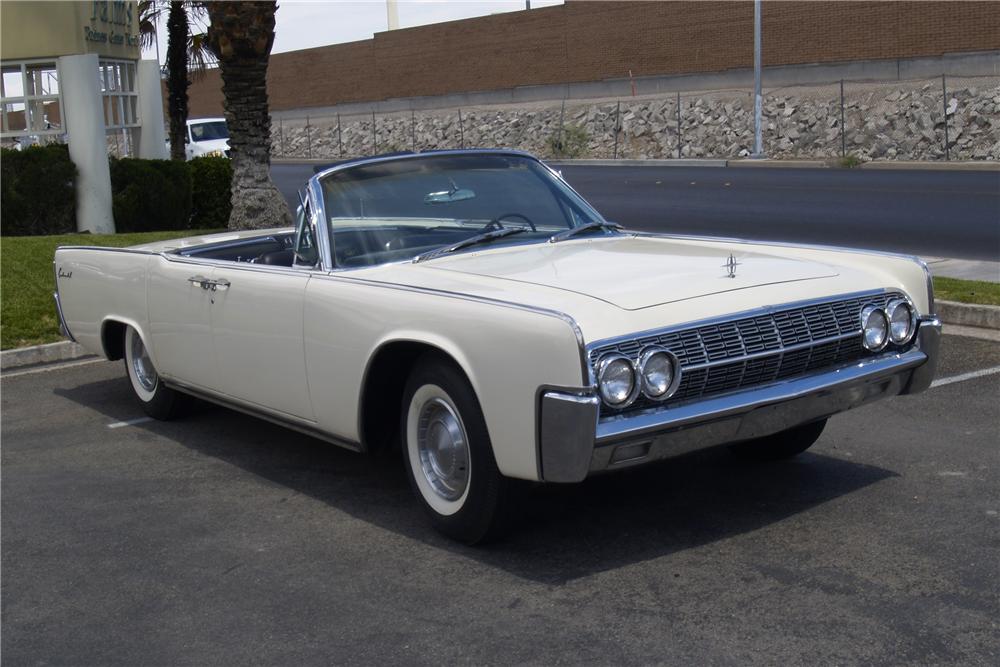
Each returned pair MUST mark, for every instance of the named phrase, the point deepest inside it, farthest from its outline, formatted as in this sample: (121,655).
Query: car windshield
(215,129)
(422,206)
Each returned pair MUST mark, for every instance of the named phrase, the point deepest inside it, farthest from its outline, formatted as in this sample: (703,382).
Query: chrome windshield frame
(314,190)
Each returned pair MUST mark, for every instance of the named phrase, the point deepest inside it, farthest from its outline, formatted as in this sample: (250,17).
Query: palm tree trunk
(241,35)
(177,77)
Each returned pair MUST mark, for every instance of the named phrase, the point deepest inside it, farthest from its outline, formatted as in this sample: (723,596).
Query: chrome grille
(765,347)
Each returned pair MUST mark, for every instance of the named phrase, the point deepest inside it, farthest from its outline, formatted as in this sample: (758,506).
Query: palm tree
(187,57)
(241,35)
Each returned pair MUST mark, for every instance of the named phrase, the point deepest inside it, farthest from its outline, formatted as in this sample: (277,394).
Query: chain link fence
(947,118)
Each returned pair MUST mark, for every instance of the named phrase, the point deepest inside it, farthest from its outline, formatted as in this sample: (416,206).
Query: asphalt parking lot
(221,539)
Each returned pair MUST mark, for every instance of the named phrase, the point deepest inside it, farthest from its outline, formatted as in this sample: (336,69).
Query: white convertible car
(473,308)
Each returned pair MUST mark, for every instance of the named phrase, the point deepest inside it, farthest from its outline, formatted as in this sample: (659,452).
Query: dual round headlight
(656,374)
(896,324)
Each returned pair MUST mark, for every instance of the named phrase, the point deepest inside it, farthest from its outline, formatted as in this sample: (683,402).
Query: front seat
(278,257)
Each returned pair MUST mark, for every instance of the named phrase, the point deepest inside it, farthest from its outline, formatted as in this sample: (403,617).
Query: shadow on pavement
(565,532)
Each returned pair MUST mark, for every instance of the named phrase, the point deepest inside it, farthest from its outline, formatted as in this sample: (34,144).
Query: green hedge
(39,198)
(38,191)
(150,195)
(211,179)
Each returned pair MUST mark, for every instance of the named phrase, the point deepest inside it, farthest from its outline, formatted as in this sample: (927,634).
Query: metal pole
(374,139)
(562,115)
(758,142)
(461,129)
(413,130)
(678,124)
(944,105)
(618,113)
(843,128)
(340,137)
(309,143)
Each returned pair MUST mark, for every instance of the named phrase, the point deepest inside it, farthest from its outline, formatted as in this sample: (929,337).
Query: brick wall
(591,41)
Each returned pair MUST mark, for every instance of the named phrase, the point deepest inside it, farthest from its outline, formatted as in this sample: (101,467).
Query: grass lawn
(967,291)
(27,310)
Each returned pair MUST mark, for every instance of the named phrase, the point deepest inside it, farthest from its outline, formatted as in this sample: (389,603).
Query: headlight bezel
(912,320)
(675,375)
(866,314)
(601,368)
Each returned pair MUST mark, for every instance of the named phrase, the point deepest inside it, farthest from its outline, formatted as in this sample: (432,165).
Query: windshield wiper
(485,237)
(570,233)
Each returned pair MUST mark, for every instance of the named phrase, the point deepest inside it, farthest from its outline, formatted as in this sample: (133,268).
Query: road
(222,539)
(931,213)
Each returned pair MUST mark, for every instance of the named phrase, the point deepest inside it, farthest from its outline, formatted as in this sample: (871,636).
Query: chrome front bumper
(573,443)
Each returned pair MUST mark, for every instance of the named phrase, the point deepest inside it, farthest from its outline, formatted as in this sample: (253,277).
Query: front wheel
(783,445)
(448,456)
(158,401)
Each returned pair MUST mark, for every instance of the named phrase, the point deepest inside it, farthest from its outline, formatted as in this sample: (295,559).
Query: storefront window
(121,101)
(31,104)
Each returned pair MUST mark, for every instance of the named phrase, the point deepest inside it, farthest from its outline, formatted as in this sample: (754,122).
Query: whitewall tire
(448,455)
(157,400)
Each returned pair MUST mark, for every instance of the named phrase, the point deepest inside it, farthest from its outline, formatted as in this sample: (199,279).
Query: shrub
(150,195)
(571,142)
(850,162)
(211,179)
(38,191)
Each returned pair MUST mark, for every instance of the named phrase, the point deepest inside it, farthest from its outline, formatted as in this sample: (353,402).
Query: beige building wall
(32,29)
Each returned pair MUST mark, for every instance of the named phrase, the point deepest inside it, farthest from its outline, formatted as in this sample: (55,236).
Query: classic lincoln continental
(472,309)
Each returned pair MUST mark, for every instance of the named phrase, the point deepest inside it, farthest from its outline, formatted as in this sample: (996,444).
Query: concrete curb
(37,355)
(968,314)
(782,164)
(935,166)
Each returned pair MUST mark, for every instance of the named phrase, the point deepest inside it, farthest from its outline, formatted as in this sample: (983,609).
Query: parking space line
(130,422)
(972,375)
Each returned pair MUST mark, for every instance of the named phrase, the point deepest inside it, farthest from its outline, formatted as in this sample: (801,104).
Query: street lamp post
(758,142)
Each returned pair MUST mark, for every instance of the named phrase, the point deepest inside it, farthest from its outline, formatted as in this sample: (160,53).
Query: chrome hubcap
(142,365)
(443,448)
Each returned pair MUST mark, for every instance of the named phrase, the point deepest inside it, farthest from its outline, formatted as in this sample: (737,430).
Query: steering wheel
(496,224)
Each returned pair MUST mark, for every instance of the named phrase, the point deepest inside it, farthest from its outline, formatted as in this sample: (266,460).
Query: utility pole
(758,142)
(392,14)
(527,4)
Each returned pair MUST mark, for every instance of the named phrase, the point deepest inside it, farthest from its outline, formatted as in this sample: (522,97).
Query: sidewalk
(965,269)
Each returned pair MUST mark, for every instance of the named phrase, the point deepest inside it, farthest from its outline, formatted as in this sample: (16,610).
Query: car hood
(633,272)
(210,145)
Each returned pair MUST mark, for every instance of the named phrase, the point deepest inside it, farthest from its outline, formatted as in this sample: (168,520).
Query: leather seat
(284,257)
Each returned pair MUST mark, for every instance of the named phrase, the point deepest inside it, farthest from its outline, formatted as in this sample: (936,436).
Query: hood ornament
(731,265)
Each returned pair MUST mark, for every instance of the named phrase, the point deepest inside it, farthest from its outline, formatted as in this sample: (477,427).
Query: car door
(180,321)
(257,334)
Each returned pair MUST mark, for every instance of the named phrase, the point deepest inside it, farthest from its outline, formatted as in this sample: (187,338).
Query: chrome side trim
(63,329)
(254,410)
(577,332)
(107,249)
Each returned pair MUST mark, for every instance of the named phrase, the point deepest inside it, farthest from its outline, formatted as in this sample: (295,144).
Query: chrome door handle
(220,284)
(200,281)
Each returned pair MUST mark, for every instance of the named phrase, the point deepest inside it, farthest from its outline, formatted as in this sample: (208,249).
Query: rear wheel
(157,401)
(448,456)
(783,445)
